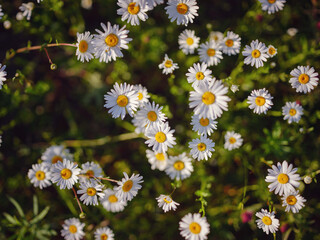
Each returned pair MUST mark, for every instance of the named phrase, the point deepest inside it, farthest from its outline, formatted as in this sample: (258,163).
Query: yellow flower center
(303,78)
(167,200)
(127,186)
(178,165)
(201,147)
(283,178)
(111,40)
(160,156)
(255,53)
(122,100)
(66,173)
(189,41)
(73,229)
(291,200)
(195,228)
(83,46)
(160,137)
(199,75)
(140,96)
(91,191)
(90,173)
(211,52)
(204,122)
(133,8)
(292,112)
(104,236)
(272,51)
(152,116)
(168,64)
(232,140)
(260,101)
(113,198)
(267,220)
(272,1)
(40,175)
(208,98)
(182,8)
(56,159)
(229,43)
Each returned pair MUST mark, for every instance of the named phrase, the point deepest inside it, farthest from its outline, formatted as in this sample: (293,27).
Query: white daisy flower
(260,101)
(103,233)
(143,96)
(56,153)
(203,126)
(133,11)
(122,99)
(210,100)
(1,15)
(26,9)
(128,187)
(166,203)
(160,137)
(194,227)
(157,160)
(65,174)
(139,128)
(179,167)
(234,88)
(201,148)
(272,6)
(293,201)
(272,51)
(267,221)
(108,44)
(167,65)
(188,42)
(153,3)
(283,178)
(3,75)
(292,111)
(232,140)
(39,175)
(304,79)
(231,44)
(111,202)
(85,49)
(255,54)
(216,36)
(184,11)
(292,32)
(72,229)
(210,53)
(90,192)
(90,170)
(198,74)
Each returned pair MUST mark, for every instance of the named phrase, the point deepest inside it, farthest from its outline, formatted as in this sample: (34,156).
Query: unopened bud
(53,66)
(307,179)
(82,215)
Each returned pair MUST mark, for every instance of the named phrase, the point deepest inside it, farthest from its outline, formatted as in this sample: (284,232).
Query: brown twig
(76,196)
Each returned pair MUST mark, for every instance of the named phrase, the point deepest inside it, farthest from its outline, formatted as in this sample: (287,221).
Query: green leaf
(17,206)
(10,218)
(35,205)
(40,216)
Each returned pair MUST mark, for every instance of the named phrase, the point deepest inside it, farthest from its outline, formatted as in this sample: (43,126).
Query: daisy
(304,79)
(267,221)
(179,167)
(104,233)
(160,137)
(194,227)
(128,187)
(3,73)
(234,88)
(90,192)
(210,100)
(260,101)
(292,111)
(108,44)
(90,170)
(122,99)
(272,6)
(72,229)
(231,44)
(184,11)
(1,15)
(216,36)
(65,174)
(153,3)
(85,49)
(293,201)
(210,53)
(201,148)
(143,96)
(133,11)
(167,65)
(232,140)
(188,42)
(111,203)
(56,153)
(255,54)
(157,160)
(26,9)
(272,51)
(40,175)
(203,126)
(198,74)
(283,178)
(166,203)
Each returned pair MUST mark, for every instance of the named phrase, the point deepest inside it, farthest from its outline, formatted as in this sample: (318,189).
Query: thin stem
(50,61)
(108,179)
(172,191)
(76,196)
